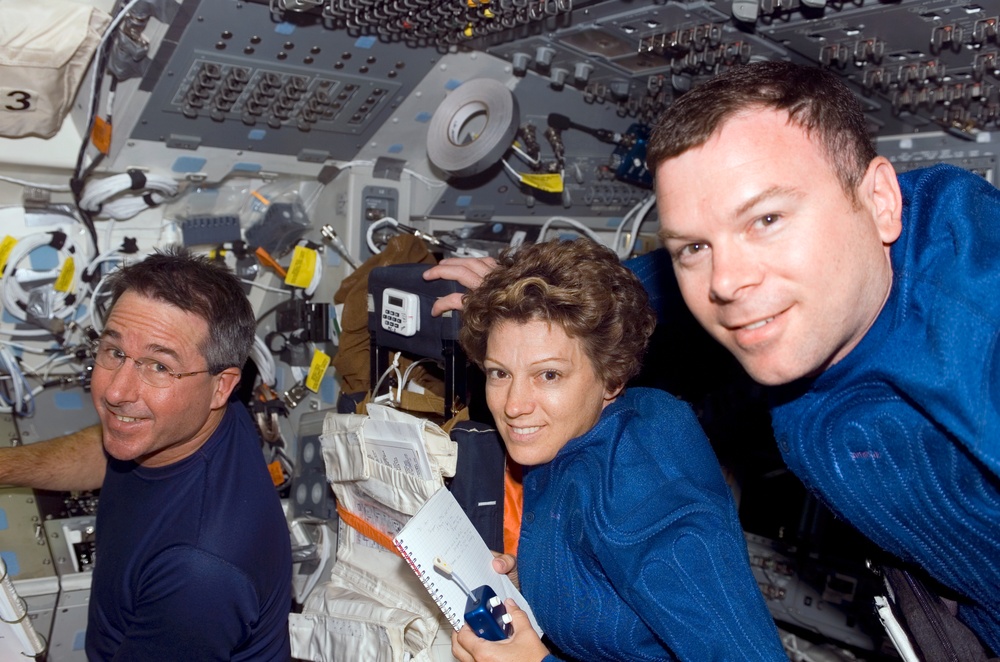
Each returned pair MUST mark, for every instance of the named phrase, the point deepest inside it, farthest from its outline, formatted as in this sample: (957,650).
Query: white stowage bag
(372,607)
(45,48)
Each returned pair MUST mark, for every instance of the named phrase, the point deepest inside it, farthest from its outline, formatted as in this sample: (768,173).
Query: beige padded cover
(45,48)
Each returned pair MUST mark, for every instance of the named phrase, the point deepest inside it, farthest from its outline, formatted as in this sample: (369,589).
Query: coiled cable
(62,301)
(123,196)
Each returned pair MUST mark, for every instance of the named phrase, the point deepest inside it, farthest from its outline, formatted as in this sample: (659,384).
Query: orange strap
(268,261)
(513,495)
(513,506)
(367,530)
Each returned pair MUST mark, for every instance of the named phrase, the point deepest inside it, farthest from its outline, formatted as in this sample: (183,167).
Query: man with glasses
(193,559)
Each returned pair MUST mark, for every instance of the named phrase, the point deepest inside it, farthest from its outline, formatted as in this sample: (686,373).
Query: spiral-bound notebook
(440,528)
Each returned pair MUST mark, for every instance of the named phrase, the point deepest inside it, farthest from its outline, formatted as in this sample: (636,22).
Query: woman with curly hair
(630,544)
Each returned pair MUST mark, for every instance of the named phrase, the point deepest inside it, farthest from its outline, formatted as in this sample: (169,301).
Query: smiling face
(158,426)
(541,388)
(772,256)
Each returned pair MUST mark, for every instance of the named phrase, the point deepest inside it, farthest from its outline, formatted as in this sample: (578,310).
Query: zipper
(927,604)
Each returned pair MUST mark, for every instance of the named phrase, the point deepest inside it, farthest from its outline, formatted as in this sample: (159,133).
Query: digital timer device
(400,311)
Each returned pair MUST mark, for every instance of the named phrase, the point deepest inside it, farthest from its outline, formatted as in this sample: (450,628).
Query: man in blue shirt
(867,299)
(193,557)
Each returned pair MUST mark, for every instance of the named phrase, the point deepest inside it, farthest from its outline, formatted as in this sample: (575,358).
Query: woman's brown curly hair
(579,285)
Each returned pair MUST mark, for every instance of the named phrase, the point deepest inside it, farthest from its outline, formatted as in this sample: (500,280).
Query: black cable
(79,175)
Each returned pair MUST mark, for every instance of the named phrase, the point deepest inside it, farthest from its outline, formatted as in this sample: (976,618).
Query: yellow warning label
(303,267)
(320,362)
(65,280)
(550,183)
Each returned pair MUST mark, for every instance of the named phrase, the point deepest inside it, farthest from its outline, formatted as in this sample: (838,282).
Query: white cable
(637,215)
(108,232)
(394,366)
(25,333)
(10,367)
(427,181)
(355,164)
(49,364)
(527,158)
(95,289)
(577,225)
(406,378)
(338,244)
(369,236)
(12,293)
(116,196)
(4,409)
(95,79)
(513,173)
(266,288)
(317,274)
(31,349)
(95,318)
(110,255)
(22,402)
(110,102)
(316,278)
(60,188)
(264,360)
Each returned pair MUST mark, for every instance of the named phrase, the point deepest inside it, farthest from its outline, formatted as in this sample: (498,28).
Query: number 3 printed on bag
(16,100)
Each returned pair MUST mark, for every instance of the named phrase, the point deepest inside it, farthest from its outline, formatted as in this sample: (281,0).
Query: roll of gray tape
(472,128)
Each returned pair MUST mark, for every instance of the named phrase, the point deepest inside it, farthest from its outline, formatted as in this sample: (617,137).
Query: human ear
(880,190)
(225,382)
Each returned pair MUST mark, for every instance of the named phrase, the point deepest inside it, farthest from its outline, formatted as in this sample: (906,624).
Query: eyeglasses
(151,371)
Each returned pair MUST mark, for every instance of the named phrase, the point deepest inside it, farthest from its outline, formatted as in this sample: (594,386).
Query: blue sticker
(189,164)
(68,400)
(10,560)
(328,390)
(3,519)
(463,201)
(365,42)
(44,258)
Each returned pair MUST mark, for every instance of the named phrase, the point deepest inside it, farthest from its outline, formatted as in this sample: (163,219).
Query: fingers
(469,271)
(457,649)
(519,617)
(444,304)
(523,645)
(504,563)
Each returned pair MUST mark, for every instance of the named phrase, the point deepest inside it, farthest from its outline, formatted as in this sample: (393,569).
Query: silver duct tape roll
(473,127)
